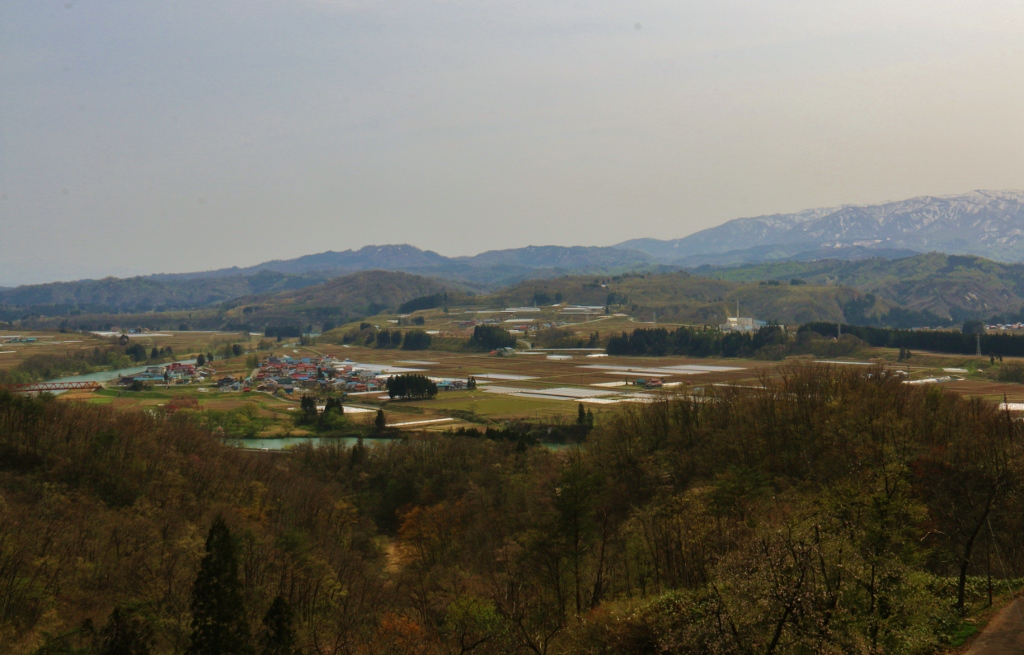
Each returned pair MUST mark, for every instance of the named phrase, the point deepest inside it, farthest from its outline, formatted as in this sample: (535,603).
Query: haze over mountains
(985,223)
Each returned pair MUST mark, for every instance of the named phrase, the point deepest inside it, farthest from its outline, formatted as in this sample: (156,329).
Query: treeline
(485,337)
(691,342)
(533,433)
(411,385)
(283,332)
(424,302)
(946,341)
(411,340)
(490,337)
(823,512)
(138,353)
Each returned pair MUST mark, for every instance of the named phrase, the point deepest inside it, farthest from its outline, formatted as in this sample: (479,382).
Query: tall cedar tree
(380,422)
(308,407)
(278,637)
(126,633)
(219,626)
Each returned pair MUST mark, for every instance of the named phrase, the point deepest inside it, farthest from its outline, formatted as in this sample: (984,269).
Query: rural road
(1004,634)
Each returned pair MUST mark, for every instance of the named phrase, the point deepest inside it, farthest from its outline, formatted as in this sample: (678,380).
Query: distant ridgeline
(939,341)
(690,342)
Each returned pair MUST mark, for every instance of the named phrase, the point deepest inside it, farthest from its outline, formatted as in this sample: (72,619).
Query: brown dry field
(49,343)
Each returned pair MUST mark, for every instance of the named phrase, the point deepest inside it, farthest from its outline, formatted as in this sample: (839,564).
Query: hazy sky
(166,136)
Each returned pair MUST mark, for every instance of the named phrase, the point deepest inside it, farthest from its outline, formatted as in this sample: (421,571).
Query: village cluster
(328,374)
(286,375)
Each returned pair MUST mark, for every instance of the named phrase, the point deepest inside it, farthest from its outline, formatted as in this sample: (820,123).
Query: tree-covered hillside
(954,286)
(141,294)
(320,305)
(827,512)
(336,301)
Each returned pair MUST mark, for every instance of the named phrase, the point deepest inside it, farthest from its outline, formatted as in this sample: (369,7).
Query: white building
(741,324)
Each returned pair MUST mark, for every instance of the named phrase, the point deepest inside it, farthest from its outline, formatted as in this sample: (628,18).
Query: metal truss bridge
(50,386)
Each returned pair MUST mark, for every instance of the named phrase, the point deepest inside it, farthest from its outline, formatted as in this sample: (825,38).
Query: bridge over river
(38,387)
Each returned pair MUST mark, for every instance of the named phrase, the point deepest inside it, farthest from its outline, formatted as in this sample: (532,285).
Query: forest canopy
(826,512)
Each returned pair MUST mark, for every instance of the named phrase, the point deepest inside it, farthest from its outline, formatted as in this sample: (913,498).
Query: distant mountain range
(486,270)
(165,292)
(985,223)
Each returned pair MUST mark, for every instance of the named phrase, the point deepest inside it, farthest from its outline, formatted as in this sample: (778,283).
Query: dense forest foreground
(826,512)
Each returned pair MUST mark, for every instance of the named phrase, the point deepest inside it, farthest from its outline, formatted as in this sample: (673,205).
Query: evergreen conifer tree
(308,407)
(219,626)
(126,633)
(380,422)
(278,638)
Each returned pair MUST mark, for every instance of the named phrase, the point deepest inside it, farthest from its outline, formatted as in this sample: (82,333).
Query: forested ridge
(827,512)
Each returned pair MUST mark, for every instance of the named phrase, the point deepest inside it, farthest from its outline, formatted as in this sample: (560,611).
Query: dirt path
(1004,634)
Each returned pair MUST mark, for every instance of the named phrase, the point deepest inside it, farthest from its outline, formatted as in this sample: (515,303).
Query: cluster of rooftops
(288,374)
(328,373)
